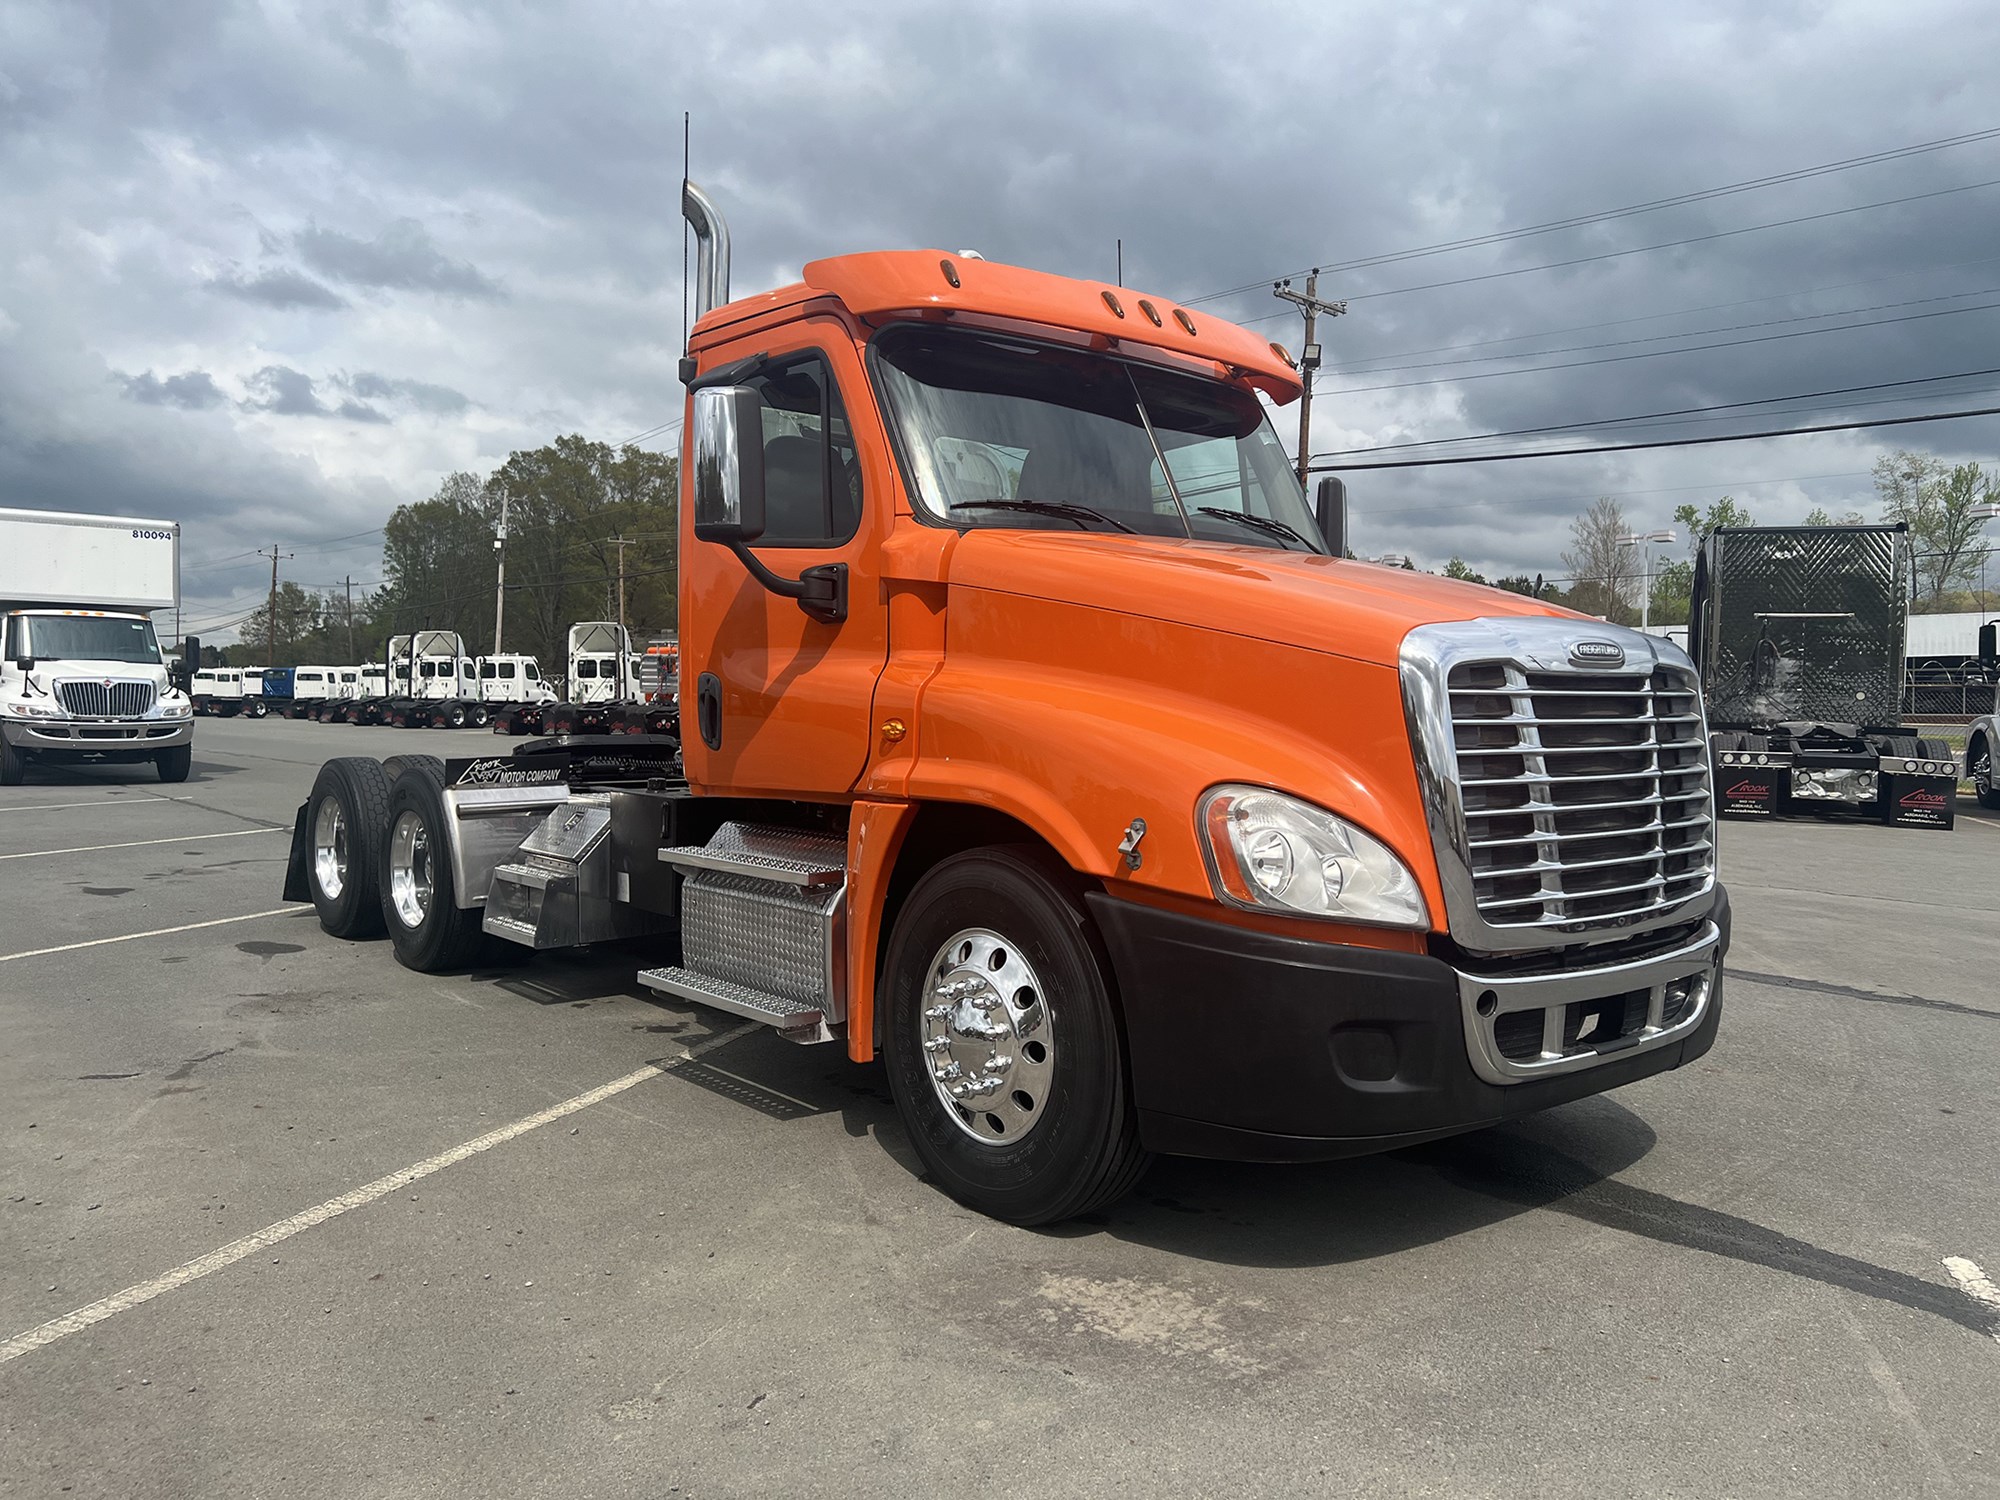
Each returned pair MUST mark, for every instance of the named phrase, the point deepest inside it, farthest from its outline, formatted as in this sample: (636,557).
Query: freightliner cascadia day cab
(82,679)
(1034,742)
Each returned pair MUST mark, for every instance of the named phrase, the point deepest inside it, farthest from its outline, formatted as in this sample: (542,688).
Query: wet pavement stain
(107,890)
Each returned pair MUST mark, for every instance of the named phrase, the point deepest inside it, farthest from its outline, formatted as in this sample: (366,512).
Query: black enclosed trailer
(1798,632)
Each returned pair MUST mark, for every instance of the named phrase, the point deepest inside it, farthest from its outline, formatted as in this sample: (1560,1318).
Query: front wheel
(174,762)
(259,708)
(431,932)
(1979,766)
(13,765)
(1003,1044)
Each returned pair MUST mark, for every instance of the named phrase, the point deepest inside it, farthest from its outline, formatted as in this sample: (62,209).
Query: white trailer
(82,678)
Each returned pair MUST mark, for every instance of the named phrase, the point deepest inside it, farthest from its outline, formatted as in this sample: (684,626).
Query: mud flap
(297,862)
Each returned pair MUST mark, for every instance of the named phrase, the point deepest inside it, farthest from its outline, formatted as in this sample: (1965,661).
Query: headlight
(34,711)
(1270,852)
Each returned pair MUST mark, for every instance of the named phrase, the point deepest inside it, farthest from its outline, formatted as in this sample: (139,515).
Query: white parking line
(101,802)
(1974,1283)
(186,838)
(284,1229)
(132,937)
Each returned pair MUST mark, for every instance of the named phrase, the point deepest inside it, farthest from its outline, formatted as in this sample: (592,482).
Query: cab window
(812,483)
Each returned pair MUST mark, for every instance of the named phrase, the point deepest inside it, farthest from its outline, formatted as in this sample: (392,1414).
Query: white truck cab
(512,678)
(602,666)
(82,678)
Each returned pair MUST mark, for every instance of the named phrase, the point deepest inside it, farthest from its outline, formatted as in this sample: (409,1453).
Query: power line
(1738,437)
(1576,221)
(1720,234)
(1614,359)
(1682,411)
(1662,338)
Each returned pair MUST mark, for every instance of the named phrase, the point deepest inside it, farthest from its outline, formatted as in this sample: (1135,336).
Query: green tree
(1818,517)
(1673,585)
(296,618)
(1699,522)
(1458,568)
(1940,504)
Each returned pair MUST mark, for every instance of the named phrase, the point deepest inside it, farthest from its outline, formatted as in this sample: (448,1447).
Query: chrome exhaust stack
(711,237)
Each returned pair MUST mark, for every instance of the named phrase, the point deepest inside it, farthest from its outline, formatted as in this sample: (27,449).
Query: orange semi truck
(1035,740)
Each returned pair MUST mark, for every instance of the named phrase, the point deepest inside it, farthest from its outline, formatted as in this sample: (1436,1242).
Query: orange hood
(1352,609)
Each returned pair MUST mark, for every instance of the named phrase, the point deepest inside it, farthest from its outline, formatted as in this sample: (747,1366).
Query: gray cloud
(439,400)
(402,257)
(194,391)
(278,287)
(285,392)
(141,142)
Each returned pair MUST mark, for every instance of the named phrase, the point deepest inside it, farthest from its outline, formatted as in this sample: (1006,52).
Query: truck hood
(1352,609)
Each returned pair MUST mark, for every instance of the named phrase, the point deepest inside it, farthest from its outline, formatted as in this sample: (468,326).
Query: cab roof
(881,285)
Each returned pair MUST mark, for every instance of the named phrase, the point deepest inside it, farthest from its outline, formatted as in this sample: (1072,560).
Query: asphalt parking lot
(722,1277)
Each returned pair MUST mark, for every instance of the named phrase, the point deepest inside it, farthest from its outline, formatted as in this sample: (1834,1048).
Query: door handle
(708,709)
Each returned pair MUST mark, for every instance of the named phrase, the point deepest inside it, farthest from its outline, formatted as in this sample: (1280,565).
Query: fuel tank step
(781,855)
(795,1020)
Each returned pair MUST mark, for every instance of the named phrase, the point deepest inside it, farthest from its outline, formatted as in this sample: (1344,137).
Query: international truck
(1800,636)
(82,679)
(1036,743)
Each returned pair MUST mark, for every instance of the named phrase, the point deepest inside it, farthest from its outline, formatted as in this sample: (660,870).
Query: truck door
(789,695)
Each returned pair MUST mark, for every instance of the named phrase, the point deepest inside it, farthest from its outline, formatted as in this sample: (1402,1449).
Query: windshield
(999,431)
(82,638)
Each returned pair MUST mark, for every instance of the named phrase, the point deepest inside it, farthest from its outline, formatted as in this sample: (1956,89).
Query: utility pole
(350,616)
(1309,355)
(500,583)
(624,639)
(271,611)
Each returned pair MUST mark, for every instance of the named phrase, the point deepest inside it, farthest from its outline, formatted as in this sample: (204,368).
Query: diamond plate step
(780,855)
(737,999)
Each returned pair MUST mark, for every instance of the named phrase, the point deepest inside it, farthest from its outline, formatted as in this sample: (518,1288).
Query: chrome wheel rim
(330,848)
(989,1049)
(411,877)
(1981,769)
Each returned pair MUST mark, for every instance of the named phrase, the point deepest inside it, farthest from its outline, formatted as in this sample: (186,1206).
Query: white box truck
(82,678)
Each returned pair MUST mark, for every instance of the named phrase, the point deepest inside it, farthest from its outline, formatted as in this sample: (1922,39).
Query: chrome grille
(1584,794)
(105,700)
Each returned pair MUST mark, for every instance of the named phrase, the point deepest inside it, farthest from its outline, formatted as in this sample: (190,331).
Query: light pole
(1644,541)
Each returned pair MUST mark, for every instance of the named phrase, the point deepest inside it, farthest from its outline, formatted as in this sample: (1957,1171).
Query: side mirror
(1987,654)
(25,663)
(728,465)
(1330,510)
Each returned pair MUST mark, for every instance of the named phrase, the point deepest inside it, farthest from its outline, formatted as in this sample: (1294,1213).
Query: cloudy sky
(274,269)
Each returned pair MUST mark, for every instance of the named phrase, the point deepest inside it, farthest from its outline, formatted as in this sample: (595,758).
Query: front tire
(431,932)
(346,818)
(13,765)
(174,762)
(1003,1044)
(1979,766)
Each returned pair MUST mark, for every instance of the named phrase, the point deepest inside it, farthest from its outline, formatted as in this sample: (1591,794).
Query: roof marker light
(1151,312)
(1184,320)
(950,272)
(1112,303)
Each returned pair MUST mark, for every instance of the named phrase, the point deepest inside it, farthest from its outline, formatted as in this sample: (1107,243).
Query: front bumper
(1257,1048)
(55,739)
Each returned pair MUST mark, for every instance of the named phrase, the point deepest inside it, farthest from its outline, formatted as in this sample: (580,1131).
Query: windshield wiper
(1269,525)
(1077,513)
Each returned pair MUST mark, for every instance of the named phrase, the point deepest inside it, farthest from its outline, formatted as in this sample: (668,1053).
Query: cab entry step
(784,856)
(787,1016)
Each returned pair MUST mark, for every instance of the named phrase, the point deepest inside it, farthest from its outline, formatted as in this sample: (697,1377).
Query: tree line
(577,513)
(1940,502)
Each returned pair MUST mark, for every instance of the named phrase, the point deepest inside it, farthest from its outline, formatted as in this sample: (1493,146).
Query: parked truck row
(429,680)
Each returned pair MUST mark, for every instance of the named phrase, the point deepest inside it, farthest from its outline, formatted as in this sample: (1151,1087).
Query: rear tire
(431,932)
(174,762)
(998,938)
(259,708)
(347,816)
(13,765)
(454,715)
